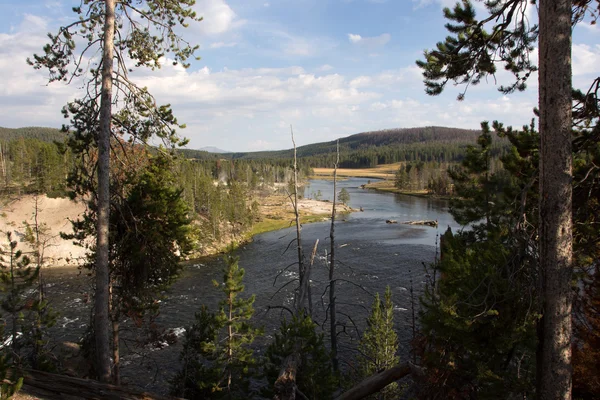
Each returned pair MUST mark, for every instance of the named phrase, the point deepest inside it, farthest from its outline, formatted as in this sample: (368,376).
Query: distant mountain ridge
(361,149)
(212,149)
(365,140)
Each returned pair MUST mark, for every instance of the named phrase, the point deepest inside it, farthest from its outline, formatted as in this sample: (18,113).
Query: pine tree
(17,276)
(344,196)
(378,346)
(314,377)
(235,355)
(143,33)
(470,54)
(199,371)
(217,358)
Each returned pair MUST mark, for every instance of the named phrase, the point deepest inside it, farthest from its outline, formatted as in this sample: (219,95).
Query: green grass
(268,225)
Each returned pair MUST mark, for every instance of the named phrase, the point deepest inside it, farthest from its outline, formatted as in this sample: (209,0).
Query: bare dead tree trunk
(300,299)
(310,265)
(332,310)
(101,299)
(555,375)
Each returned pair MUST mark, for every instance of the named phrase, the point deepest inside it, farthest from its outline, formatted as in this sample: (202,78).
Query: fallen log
(52,386)
(391,221)
(432,223)
(375,383)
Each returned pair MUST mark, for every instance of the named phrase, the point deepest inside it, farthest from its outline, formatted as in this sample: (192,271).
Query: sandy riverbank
(276,213)
(54,214)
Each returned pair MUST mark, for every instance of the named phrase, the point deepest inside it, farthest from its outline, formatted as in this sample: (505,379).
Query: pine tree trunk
(101,317)
(554,380)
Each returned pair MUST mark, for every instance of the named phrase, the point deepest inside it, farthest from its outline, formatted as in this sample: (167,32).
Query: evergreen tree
(379,344)
(17,276)
(314,377)
(199,371)
(235,356)
(143,33)
(479,320)
(217,358)
(470,54)
(401,180)
(344,196)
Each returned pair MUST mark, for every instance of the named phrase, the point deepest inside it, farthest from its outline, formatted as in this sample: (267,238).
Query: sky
(329,68)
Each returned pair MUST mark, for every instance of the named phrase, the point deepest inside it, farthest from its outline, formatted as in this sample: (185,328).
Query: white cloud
(325,68)
(218,45)
(375,41)
(586,59)
(218,17)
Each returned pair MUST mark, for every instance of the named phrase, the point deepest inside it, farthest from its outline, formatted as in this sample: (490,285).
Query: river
(371,255)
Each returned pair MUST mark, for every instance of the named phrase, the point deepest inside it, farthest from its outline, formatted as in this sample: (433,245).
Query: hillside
(32,132)
(366,149)
(425,136)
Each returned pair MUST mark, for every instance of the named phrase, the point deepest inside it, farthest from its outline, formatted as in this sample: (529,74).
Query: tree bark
(554,379)
(51,386)
(332,311)
(285,385)
(101,299)
(375,383)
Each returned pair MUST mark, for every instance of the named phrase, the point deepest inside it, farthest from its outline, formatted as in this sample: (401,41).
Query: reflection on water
(370,253)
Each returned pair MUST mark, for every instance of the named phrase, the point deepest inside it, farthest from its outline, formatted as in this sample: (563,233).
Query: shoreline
(275,212)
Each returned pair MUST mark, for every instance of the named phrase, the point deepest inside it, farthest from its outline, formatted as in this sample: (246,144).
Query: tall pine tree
(379,344)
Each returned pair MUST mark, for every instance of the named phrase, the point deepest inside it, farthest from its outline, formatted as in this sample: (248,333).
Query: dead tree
(375,383)
(302,288)
(332,312)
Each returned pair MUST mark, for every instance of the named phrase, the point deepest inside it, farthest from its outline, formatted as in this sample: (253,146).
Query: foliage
(198,374)
(586,347)
(314,377)
(217,358)
(17,276)
(150,227)
(379,344)
(38,236)
(471,52)
(479,319)
(343,196)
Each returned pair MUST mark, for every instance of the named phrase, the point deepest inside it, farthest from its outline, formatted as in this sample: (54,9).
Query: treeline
(30,165)
(219,192)
(369,149)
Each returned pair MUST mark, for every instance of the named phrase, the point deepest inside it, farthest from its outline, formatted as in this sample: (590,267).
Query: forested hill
(367,149)
(432,143)
(32,132)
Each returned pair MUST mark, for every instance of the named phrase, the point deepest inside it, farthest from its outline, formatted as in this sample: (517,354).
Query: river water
(371,255)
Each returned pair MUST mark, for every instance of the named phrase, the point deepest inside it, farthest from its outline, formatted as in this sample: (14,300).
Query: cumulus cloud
(374,41)
(586,59)
(218,17)
(251,108)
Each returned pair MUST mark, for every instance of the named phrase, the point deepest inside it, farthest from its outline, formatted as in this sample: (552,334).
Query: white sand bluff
(54,214)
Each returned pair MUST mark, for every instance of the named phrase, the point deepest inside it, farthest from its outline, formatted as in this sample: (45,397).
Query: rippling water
(371,255)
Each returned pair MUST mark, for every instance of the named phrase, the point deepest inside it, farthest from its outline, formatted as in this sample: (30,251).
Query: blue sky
(330,68)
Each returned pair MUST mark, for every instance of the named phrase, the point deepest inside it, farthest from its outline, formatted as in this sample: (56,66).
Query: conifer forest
(452,254)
